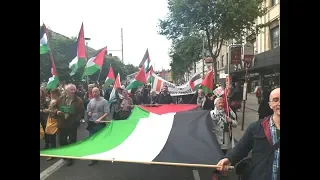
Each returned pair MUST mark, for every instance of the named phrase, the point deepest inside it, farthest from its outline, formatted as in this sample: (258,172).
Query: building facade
(265,67)
(265,48)
(201,67)
(165,74)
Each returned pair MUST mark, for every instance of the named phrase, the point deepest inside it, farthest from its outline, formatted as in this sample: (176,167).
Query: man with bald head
(70,113)
(98,109)
(263,138)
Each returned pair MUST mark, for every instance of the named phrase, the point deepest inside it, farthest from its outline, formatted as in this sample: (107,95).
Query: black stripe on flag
(145,57)
(74,48)
(198,76)
(191,140)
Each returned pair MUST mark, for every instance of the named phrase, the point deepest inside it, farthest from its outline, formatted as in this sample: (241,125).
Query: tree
(117,66)
(219,20)
(131,69)
(185,53)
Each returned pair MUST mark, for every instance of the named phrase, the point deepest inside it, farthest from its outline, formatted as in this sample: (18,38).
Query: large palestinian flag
(168,133)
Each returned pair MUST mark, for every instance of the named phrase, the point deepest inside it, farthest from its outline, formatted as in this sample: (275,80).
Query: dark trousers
(52,140)
(64,133)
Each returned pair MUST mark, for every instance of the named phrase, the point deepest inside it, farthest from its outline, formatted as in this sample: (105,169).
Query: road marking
(196,174)
(50,170)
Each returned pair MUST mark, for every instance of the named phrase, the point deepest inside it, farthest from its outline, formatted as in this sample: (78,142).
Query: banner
(174,90)
(218,91)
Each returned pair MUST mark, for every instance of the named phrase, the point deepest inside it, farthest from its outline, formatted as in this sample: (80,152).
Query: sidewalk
(251,115)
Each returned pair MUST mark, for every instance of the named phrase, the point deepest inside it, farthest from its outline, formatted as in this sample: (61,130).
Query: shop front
(264,70)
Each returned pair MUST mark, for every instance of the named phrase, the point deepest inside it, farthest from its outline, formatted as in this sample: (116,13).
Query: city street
(56,169)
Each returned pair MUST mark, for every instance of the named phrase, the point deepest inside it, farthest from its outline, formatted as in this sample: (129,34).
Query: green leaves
(221,20)
(117,66)
(185,53)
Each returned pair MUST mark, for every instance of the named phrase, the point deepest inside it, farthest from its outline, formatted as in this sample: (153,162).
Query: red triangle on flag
(117,83)
(81,44)
(141,76)
(99,59)
(111,73)
(208,81)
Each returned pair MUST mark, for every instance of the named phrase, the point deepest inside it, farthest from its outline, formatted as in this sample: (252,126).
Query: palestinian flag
(169,133)
(207,83)
(78,53)
(44,48)
(96,62)
(117,84)
(53,80)
(150,77)
(145,62)
(110,78)
(139,80)
(195,82)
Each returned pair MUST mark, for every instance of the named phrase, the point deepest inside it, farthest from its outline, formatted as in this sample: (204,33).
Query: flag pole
(53,66)
(99,74)
(87,60)
(142,162)
(122,45)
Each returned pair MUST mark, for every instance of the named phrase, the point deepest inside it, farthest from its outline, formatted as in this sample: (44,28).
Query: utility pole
(122,45)
(203,56)
(244,95)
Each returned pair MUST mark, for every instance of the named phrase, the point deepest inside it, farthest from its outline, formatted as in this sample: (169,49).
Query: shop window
(275,37)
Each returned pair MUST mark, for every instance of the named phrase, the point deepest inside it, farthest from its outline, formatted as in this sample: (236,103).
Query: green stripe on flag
(44,49)
(107,83)
(75,64)
(92,69)
(115,133)
(206,90)
(52,83)
(134,84)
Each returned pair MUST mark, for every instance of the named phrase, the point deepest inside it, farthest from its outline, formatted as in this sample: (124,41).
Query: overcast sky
(103,20)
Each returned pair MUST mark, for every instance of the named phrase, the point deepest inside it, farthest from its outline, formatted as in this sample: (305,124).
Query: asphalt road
(117,171)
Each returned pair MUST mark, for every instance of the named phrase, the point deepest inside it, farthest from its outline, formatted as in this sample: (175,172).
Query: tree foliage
(219,20)
(185,52)
(60,47)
